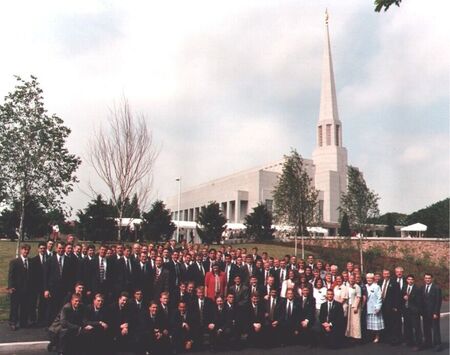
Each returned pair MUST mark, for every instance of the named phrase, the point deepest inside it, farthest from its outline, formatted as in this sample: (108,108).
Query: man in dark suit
(289,318)
(160,279)
(254,314)
(125,273)
(247,270)
(96,328)
(59,278)
(144,276)
(121,323)
(217,325)
(196,271)
(401,284)
(241,293)
(202,309)
(181,324)
(101,275)
(411,309)
(281,274)
(390,308)
(175,272)
(230,269)
(39,302)
(432,301)
(307,317)
(272,305)
(152,332)
(66,329)
(331,318)
(138,304)
(255,287)
(20,287)
(232,325)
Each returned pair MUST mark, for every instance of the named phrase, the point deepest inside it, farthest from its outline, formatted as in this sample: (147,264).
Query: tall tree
(33,154)
(123,156)
(259,223)
(295,199)
(212,223)
(385,4)
(345,230)
(359,203)
(158,223)
(389,231)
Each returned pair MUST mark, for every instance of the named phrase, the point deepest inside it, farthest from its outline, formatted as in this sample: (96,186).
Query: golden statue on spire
(326,16)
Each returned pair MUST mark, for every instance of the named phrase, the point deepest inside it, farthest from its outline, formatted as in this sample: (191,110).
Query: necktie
(102,270)
(289,309)
(409,290)
(399,281)
(272,308)
(60,265)
(237,289)
(383,291)
(427,289)
(266,273)
(255,310)
(304,302)
(25,264)
(128,266)
(282,275)
(328,313)
(177,274)
(253,289)
(217,284)
(201,311)
(158,273)
(143,267)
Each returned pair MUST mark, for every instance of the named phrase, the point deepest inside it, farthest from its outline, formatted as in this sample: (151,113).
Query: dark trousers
(431,330)
(390,319)
(20,307)
(333,339)
(413,329)
(39,308)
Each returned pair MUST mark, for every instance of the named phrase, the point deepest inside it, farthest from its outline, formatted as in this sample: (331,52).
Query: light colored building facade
(239,193)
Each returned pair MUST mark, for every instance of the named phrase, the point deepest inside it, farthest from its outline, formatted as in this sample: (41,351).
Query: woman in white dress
(354,309)
(374,301)
(320,295)
(341,294)
(288,283)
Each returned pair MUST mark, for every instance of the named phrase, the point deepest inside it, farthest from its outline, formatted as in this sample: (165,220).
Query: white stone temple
(239,193)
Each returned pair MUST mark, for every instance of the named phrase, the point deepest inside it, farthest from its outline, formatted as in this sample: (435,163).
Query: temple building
(239,193)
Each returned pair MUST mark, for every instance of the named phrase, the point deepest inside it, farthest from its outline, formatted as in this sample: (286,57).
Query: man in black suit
(217,325)
(59,278)
(144,276)
(281,274)
(232,325)
(307,317)
(20,287)
(175,272)
(331,318)
(254,321)
(65,331)
(254,286)
(230,269)
(100,275)
(272,305)
(390,308)
(412,308)
(125,273)
(152,332)
(241,293)
(401,284)
(289,318)
(196,271)
(138,304)
(202,309)
(96,327)
(247,270)
(181,324)
(121,323)
(432,301)
(39,302)
(160,279)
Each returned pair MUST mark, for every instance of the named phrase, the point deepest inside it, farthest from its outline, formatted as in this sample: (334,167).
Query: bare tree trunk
(22,219)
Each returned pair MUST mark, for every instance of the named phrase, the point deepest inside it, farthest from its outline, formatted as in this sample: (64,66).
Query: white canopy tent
(235,226)
(128,222)
(416,227)
(317,230)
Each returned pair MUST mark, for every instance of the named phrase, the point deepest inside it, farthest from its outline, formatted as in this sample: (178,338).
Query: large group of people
(172,298)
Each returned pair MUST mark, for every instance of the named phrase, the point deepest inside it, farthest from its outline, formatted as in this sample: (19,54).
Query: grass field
(337,256)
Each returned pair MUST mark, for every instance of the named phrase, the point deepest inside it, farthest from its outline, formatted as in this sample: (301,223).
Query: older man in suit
(160,278)
(331,318)
(20,287)
(390,294)
(432,301)
(100,275)
(241,293)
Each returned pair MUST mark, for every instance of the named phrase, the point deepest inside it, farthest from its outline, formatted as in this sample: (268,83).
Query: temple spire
(328,103)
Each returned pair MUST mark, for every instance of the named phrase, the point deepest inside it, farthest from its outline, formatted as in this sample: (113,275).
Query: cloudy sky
(229,85)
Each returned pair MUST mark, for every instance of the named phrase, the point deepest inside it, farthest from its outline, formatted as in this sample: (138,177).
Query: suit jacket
(232,273)
(415,300)
(246,274)
(95,285)
(432,300)
(278,280)
(392,296)
(196,275)
(308,310)
(210,283)
(125,277)
(146,325)
(175,274)
(37,272)
(144,279)
(93,318)
(68,319)
(19,277)
(219,318)
(161,283)
(120,316)
(202,317)
(241,297)
(251,317)
(335,317)
(54,281)
(290,321)
(273,315)
(177,320)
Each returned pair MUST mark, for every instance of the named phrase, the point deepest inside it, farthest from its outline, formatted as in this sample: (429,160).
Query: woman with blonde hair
(354,309)
(375,321)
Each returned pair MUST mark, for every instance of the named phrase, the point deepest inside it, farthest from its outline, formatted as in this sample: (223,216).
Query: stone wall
(437,250)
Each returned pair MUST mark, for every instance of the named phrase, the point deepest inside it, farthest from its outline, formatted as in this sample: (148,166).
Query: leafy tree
(96,222)
(158,223)
(295,199)
(211,221)
(435,217)
(33,156)
(389,217)
(359,203)
(386,4)
(345,230)
(259,223)
(389,231)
